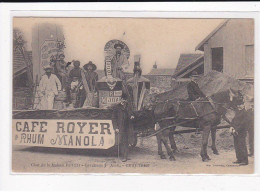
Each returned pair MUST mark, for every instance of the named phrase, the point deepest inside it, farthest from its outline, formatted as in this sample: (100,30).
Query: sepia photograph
(133,95)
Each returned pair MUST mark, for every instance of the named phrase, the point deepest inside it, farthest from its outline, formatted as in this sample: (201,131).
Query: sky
(160,40)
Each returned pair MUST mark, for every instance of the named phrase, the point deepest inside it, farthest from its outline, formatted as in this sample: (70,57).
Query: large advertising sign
(91,134)
(49,49)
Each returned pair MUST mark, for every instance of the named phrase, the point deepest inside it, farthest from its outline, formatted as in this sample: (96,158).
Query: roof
(200,45)
(141,79)
(185,60)
(162,71)
(19,64)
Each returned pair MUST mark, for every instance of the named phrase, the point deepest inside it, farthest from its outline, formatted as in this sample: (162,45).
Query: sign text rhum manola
(92,134)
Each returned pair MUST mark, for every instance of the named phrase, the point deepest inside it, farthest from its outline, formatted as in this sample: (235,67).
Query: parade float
(86,127)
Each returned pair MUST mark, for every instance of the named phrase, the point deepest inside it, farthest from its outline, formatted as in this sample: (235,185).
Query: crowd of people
(81,82)
(68,78)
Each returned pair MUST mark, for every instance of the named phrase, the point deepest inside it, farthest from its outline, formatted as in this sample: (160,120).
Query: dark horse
(204,113)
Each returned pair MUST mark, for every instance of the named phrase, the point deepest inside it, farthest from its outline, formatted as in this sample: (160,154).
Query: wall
(233,37)
(160,81)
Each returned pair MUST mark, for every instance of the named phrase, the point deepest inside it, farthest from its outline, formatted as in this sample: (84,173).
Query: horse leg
(165,142)
(159,142)
(213,137)
(205,136)
(172,141)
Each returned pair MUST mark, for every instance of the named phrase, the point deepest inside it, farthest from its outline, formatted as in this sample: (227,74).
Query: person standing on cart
(48,87)
(91,77)
(194,92)
(119,62)
(76,84)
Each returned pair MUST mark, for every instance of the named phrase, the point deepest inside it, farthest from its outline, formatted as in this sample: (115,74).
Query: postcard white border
(109,182)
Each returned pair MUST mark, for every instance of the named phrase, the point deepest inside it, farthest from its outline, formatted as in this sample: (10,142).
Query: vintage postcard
(133,95)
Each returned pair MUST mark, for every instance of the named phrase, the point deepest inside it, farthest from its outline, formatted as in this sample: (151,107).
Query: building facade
(230,49)
(160,77)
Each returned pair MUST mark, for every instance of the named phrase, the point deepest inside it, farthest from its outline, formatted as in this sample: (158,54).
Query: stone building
(160,77)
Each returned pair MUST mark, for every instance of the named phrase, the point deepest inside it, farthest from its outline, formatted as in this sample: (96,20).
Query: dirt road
(144,159)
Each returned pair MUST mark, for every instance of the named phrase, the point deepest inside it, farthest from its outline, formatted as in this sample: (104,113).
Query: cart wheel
(134,143)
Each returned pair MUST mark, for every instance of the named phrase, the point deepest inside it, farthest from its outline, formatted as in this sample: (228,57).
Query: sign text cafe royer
(91,134)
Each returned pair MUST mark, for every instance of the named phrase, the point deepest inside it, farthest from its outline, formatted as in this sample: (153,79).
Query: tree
(19,45)
(18,39)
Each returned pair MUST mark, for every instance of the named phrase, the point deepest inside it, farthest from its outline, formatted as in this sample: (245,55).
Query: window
(249,60)
(217,59)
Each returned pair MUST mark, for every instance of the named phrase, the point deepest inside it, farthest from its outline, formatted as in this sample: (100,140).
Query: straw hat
(47,67)
(90,64)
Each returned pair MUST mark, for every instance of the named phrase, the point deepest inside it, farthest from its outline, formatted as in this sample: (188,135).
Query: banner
(91,134)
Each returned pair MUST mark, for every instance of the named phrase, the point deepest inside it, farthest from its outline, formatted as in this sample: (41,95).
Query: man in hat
(124,115)
(91,77)
(75,77)
(119,62)
(240,124)
(48,87)
(193,89)
(76,71)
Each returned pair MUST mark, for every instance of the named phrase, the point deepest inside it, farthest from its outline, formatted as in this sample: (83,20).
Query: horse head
(236,98)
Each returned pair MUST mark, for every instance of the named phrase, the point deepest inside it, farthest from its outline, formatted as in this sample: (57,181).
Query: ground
(144,158)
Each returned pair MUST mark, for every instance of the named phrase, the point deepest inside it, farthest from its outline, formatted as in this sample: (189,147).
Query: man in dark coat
(123,114)
(239,131)
(193,89)
(76,71)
